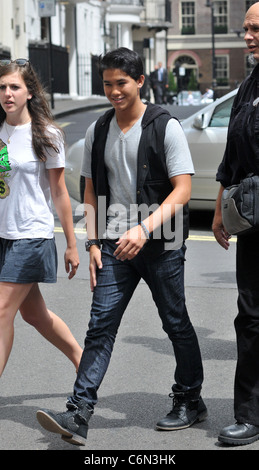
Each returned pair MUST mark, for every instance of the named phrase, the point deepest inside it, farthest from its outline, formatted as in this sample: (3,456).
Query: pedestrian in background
(162,82)
(159,80)
(241,158)
(153,83)
(134,145)
(32,161)
(190,99)
(208,95)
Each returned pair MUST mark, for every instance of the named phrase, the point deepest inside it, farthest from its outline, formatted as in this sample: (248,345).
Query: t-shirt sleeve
(86,170)
(178,156)
(55,159)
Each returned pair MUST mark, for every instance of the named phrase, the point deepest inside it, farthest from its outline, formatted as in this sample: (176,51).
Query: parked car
(189,98)
(74,181)
(206,132)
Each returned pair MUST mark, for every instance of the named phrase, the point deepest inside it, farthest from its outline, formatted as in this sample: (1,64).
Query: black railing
(39,55)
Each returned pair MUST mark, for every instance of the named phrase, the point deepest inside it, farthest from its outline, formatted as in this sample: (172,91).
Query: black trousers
(246,390)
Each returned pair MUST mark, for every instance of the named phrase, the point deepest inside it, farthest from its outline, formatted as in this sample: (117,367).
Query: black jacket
(241,156)
(153,184)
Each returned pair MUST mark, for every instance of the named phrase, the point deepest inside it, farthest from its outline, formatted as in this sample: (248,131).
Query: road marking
(207,238)
(76,230)
(65,124)
(196,238)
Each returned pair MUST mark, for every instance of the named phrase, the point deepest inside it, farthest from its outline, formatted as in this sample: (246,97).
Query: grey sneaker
(71,424)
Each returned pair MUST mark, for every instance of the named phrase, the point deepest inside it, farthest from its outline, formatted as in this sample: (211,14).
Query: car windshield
(221,115)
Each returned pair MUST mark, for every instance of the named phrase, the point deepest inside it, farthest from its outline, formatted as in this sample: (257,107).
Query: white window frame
(226,69)
(187,16)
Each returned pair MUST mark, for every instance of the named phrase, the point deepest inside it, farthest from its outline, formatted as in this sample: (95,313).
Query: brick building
(196,26)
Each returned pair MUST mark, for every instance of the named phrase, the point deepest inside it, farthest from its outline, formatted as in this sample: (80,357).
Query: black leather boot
(188,408)
(71,424)
(239,434)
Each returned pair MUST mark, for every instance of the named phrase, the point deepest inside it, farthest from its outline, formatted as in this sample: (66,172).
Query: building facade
(199,41)
(75,34)
(206,43)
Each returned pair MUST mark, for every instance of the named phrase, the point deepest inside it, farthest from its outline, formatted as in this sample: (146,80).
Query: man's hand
(94,264)
(130,243)
(220,233)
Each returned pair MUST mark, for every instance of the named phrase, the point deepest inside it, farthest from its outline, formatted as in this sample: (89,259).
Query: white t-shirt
(25,199)
(120,157)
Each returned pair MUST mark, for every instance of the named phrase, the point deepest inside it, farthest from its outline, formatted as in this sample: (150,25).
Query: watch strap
(90,243)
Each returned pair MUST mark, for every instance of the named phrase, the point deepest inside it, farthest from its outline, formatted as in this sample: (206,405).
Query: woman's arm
(63,207)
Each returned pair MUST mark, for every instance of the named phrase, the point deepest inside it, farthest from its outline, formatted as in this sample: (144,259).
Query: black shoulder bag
(240,206)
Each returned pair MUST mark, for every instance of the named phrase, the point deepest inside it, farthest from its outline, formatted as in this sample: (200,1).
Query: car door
(207,145)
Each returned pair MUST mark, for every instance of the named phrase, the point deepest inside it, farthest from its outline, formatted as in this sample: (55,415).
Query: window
(44,29)
(220,17)
(188,18)
(222,74)
(221,115)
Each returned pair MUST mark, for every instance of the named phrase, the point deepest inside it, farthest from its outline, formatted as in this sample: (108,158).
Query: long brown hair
(38,107)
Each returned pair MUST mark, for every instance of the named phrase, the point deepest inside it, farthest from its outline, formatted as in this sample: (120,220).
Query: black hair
(124,59)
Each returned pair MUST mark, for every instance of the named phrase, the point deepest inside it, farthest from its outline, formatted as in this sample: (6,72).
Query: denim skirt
(28,260)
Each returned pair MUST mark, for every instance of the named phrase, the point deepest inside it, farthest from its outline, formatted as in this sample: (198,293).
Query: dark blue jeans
(116,283)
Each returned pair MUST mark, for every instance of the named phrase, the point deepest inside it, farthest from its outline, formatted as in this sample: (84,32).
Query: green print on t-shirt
(4,162)
(4,168)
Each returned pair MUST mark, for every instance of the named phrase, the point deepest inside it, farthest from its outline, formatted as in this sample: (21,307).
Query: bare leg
(34,311)
(11,296)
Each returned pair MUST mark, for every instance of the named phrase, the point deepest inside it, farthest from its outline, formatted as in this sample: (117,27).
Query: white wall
(89,42)
(76,25)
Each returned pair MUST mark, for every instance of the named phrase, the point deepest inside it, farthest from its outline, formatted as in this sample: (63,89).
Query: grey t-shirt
(121,152)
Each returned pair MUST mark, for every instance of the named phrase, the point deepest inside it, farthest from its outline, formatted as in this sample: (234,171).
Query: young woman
(31,173)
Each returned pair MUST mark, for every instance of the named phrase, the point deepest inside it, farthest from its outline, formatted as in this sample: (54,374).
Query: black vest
(153,184)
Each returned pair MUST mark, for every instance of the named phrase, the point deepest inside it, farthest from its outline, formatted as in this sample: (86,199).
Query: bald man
(241,158)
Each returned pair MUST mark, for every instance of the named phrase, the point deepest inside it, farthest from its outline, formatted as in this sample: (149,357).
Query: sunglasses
(20,62)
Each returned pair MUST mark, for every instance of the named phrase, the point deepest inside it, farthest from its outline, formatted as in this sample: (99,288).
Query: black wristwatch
(89,243)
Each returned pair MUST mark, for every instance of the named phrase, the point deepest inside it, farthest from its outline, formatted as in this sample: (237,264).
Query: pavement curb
(61,114)
(65,107)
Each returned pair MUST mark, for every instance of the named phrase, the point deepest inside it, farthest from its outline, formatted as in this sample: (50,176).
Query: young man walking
(138,162)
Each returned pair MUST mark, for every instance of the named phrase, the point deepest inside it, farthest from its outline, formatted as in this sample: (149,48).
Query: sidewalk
(63,106)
